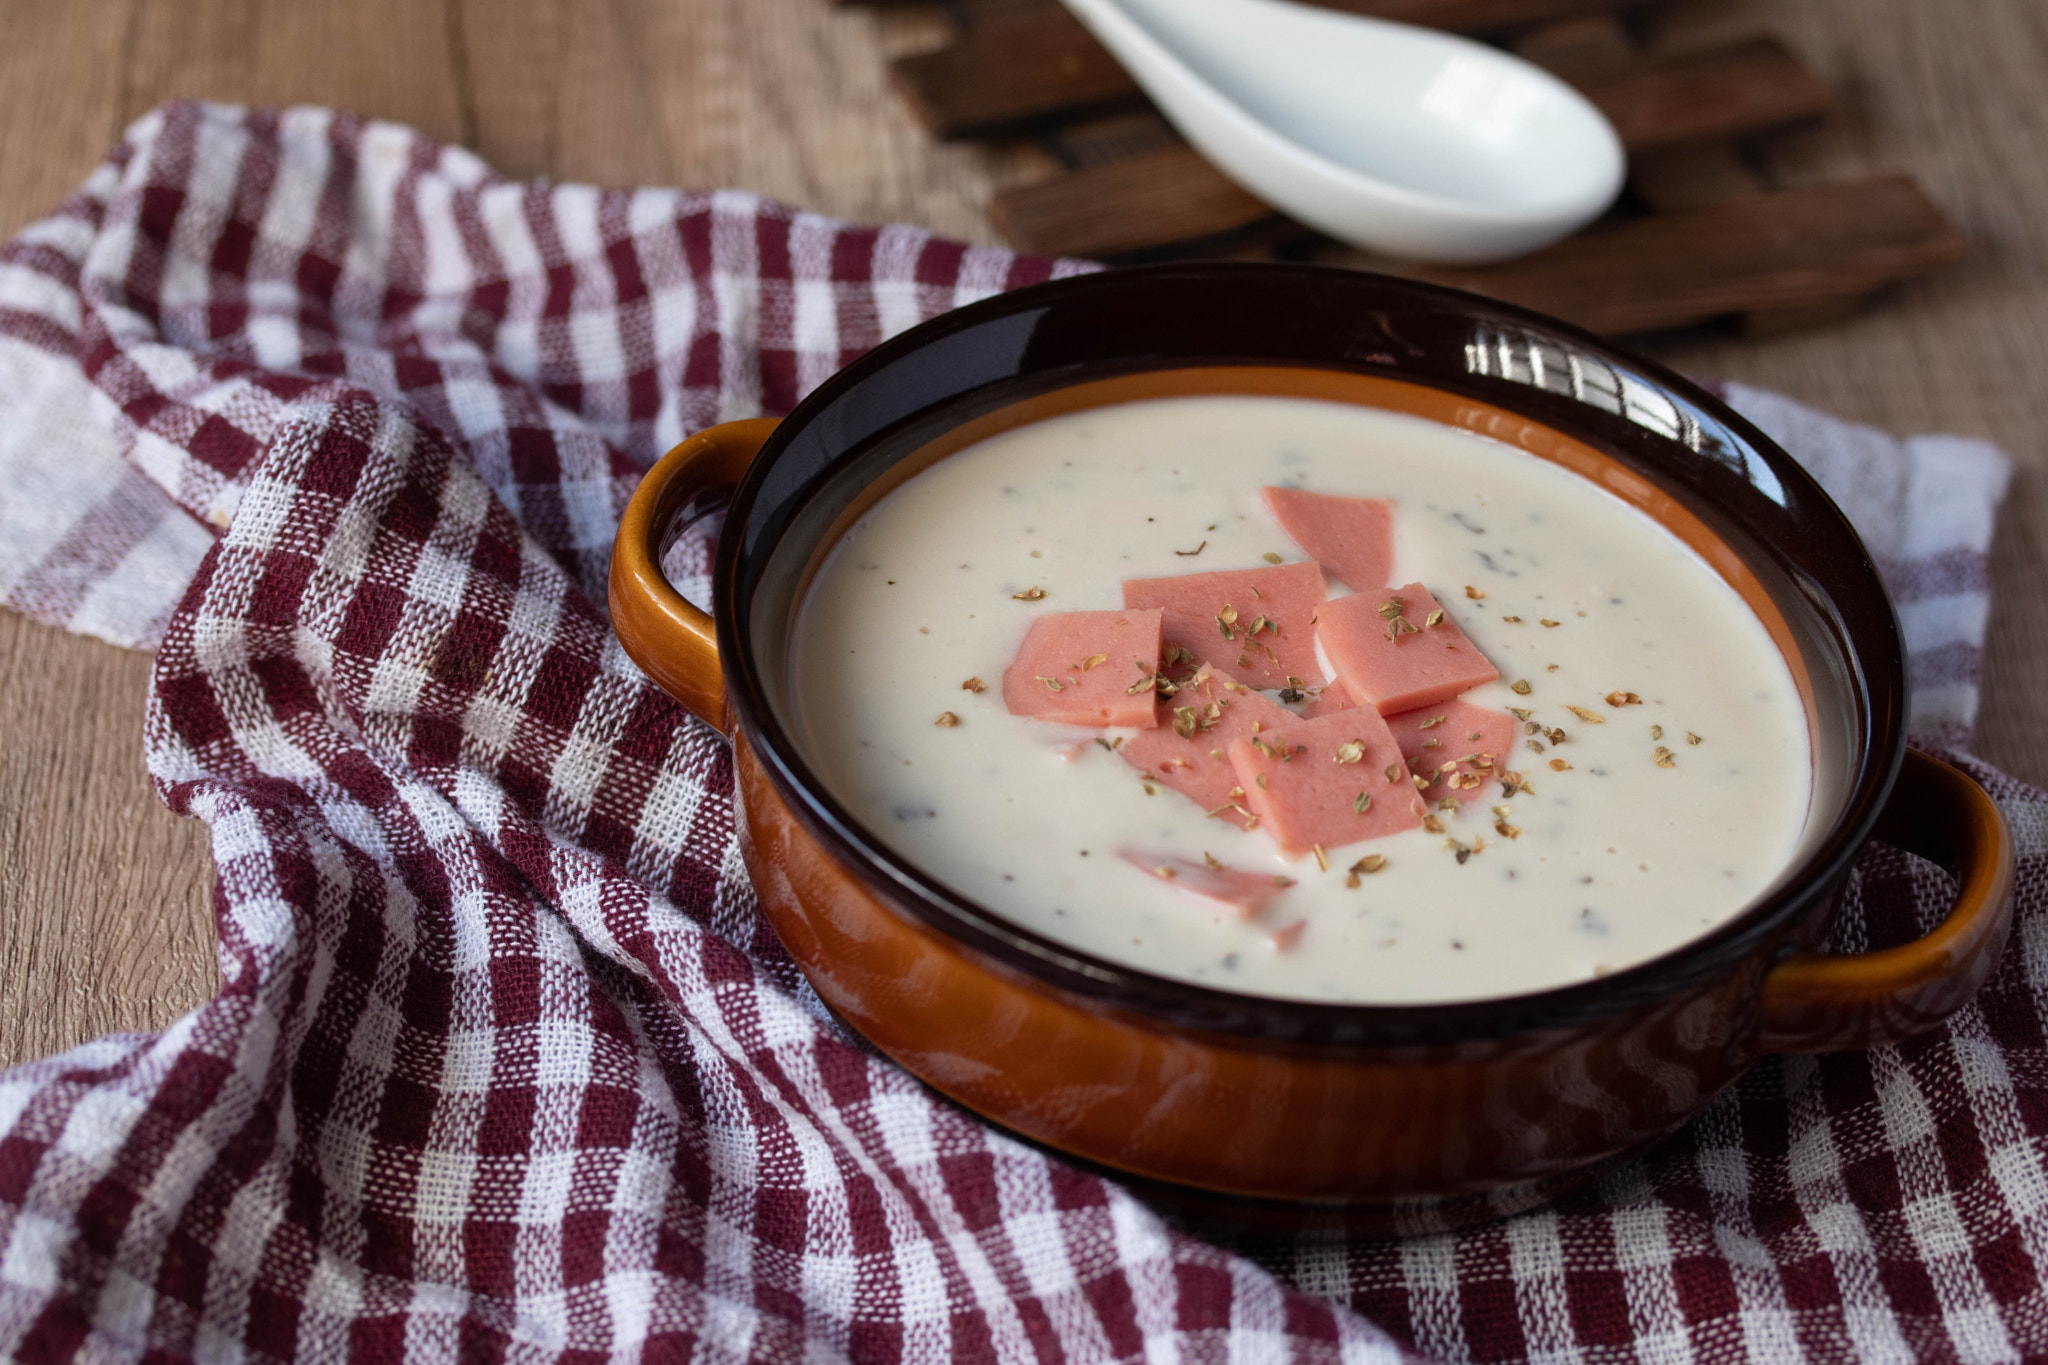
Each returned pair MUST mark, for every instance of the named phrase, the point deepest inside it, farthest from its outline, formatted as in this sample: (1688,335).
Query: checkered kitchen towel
(504,1063)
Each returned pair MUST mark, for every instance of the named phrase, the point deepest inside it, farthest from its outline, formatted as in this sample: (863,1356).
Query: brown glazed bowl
(1391,1116)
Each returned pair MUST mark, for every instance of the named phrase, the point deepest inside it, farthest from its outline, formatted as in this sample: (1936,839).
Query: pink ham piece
(1245,893)
(1305,782)
(1077,667)
(1198,765)
(1398,672)
(1480,741)
(1286,595)
(1352,538)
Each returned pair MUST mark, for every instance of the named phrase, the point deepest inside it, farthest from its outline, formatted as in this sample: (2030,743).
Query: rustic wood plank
(1125,207)
(1026,67)
(511,61)
(1011,73)
(1460,16)
(1093,142)
(1478,16)
(1664,105)
(782,97)
(57,58)
(1695,98)
(1589,44)
(382,58)
(1791,249)
(1690,177)
(105,921)
(105,896)
(1117,210)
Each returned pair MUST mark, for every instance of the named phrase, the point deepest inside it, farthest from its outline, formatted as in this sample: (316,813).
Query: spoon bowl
(1397,139)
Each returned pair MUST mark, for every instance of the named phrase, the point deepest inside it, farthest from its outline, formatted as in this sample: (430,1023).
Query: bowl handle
(1816,1003)
(674,642)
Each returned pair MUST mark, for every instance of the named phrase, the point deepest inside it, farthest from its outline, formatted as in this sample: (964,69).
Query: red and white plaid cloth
(506,1065)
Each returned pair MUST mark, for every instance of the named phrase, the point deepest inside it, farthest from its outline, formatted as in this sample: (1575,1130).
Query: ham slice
(1257,625)
(1244,893)
(1479,741)
(1213,710)
(1397,661)
(1325,782)
(1078,668)
(1352,538)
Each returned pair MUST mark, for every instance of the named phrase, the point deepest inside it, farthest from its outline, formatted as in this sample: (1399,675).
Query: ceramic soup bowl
(1404,1116)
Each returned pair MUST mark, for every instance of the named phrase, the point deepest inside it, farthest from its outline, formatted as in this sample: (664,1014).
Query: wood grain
(1011,73)
(105,896)
(1661,105)
(1122,208)
(1784,252)
(1701,97)
(1028,63)
(104,915)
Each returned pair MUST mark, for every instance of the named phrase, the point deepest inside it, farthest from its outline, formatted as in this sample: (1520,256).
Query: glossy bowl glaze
(1397,1116)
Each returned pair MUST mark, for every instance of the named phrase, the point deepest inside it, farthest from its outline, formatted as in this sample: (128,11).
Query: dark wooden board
(1779,254)
(1024,63)
(1699,235)
(1172,195)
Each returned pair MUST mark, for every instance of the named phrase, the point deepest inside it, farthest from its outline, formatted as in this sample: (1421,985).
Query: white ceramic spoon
(1394,138)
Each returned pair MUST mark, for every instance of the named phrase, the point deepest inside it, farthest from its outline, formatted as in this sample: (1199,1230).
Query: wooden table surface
(105,914)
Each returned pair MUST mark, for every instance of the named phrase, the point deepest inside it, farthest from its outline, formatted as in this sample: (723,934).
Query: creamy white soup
(1632,833)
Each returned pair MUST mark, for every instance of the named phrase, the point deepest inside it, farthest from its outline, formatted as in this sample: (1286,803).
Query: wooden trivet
(1698,235)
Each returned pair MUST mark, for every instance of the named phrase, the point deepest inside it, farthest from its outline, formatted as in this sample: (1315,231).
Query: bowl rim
(1878,737)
